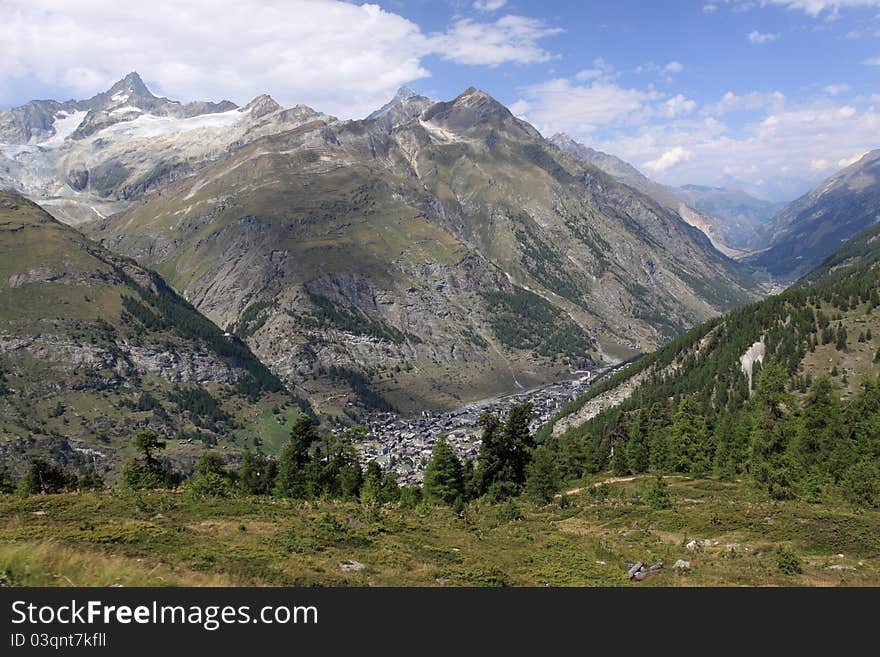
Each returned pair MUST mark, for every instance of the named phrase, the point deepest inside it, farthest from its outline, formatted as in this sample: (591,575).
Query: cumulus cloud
(489,5)
(836,89)
(787,150)
(339,57)
(755,100)
(665,71)
(509,39)
(669,159)
(563,105)
(600,69)
(762,37)
(816,7)
(678,105)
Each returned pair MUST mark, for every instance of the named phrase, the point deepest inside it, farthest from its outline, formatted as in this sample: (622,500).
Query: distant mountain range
(89,159)
(433,252)
(810,228)
(745,221)
(223,269)
(732,219)
(430,253)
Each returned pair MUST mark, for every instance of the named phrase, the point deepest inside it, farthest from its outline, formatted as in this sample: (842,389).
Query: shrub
(658,494)
(787,562)
(210,484)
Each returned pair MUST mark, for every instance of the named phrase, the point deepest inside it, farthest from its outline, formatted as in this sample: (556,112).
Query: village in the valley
(403,446)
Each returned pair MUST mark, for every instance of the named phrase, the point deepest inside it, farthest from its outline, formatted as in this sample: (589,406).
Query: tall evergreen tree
(638,455)
(619,461)
(519,440)
(690,448)
(293,478)
(492,459)
(542,476)
(443,483)
(769,461)
(256,475)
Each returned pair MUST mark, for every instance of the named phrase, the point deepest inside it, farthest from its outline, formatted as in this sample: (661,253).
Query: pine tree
(542,476)
(841,338)
(294,475)
(256,476)
(619,464)
(147,471)
(493,461)
(637,453)
(505,451)
(45,477)
(732,444)
(443,482)
(658,494)
(519,440)
(769,462)
(688,439)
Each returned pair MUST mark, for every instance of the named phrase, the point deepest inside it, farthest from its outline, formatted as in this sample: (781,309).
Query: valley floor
(162,539)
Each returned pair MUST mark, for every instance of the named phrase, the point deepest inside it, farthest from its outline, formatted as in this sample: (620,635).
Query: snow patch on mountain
(64,125)
(126,109)
(149,125)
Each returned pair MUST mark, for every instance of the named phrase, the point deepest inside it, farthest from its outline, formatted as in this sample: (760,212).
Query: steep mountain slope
(444,250)
(92,158)
(665,196)
(94,348)
(815,225)
(757,391)
(745,221)
(861,251)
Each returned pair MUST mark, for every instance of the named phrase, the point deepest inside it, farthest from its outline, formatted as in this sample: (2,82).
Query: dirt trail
(596,484)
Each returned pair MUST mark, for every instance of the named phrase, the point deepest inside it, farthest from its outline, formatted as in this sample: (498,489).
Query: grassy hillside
(94,348)
(161,539)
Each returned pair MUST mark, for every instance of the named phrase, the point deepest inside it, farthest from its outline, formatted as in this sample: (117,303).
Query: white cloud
(816,7)
(874,61)
(665,71)
(836,89)
(339,57)
(561,105)
(710,8)
(489,5)
(754,100)
(762,37)
(669,159)
(789,149)
(600,69)
(678,106)
(509,39)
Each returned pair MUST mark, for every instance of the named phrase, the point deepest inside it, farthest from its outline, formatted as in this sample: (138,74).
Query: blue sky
(770,96)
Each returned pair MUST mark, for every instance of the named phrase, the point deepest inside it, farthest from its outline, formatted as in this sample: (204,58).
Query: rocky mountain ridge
(412,246)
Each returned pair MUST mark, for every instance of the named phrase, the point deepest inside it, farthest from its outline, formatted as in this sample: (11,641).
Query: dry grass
(49,563)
